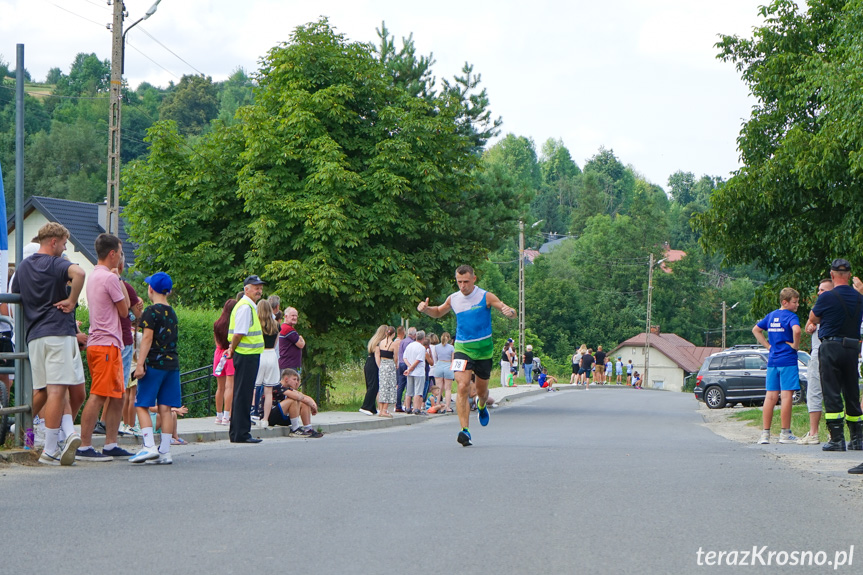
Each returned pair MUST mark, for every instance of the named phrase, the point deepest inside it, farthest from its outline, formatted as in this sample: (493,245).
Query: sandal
(179,441)
(385,414)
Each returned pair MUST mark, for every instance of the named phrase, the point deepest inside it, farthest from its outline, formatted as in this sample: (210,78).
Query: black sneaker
(464,437)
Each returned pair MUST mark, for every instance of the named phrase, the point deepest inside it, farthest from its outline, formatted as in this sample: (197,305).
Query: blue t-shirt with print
(778,325)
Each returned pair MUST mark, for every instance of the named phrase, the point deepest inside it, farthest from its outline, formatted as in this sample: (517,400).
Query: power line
(103,7)
(141,28)
(102,24)
(151,60)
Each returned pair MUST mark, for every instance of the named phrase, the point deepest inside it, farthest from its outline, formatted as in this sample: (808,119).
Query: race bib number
(459,364)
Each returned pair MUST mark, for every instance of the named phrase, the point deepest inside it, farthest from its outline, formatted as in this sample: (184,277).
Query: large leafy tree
(192,105)
(795,203)
(352,196)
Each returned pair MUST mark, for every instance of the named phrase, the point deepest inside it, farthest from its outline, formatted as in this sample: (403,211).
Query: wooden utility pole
(520,290)
(114,120)
(644,380)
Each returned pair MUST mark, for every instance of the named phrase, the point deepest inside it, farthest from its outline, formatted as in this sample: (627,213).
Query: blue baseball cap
(160,282)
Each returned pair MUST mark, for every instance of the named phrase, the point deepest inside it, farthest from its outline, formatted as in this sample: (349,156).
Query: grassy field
(799,421)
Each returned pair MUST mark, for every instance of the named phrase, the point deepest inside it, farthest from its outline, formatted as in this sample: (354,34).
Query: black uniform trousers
(838,368)
(245,373)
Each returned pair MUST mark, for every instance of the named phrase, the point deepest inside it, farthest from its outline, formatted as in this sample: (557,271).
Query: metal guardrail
(200,396)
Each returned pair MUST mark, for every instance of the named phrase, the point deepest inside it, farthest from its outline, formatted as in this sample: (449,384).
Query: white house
(84,221)
(672,358)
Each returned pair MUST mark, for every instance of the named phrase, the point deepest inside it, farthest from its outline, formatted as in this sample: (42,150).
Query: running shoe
(50,458)
(765,437)
(482,412)
(464,437)
(787,437)
(160,459)
(146,454)
(69,448)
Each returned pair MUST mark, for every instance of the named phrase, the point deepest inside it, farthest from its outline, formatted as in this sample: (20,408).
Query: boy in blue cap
(158,370)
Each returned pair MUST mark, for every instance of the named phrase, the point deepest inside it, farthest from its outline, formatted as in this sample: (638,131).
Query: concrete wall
(664,373)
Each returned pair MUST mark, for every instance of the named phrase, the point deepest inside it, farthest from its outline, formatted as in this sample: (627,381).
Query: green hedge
(195,348)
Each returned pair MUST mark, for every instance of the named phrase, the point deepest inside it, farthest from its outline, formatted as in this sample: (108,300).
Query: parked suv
(737,375)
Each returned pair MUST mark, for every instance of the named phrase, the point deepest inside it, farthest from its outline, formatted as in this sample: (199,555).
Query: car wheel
(799,396)
(714,397)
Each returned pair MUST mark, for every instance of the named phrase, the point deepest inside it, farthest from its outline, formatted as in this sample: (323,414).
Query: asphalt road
(603,481)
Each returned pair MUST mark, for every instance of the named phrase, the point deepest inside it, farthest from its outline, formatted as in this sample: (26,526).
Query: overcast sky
(637,76)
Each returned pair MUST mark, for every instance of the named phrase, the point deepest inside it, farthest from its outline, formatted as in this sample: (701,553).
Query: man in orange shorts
(108,300)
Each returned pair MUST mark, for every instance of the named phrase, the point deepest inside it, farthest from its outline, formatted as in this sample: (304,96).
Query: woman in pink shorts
(225,381)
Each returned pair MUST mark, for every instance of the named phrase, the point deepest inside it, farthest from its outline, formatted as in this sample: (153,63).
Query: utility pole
(520,290)
(723,324)
(113,195)
(115,120)
(644,380)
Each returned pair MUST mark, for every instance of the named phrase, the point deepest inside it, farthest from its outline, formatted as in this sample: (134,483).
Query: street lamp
(521,285)
(649,306)
(114,118)
(723,321)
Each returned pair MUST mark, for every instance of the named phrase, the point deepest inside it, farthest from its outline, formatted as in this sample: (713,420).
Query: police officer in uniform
(839,312)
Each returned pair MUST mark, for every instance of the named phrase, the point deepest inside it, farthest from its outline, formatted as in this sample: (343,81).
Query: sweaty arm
(435,310)
(493,301)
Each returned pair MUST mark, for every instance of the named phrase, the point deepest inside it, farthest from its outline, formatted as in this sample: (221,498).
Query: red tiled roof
(671,256)
(685,354)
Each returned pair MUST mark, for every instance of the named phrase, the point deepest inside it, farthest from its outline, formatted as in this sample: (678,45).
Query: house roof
(685,354)
(670,256)
(82,221)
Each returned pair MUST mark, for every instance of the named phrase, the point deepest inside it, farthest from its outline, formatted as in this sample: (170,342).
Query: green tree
(191,105)
(235,92)
(351,196)
(794,205)
(621,180)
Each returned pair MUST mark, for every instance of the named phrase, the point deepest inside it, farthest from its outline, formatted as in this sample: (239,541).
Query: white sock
(165,446)
(219,414)
(226,415)
(309,427)
(147,432)
(294,426)
(67,424)
(109,446)
(51,440)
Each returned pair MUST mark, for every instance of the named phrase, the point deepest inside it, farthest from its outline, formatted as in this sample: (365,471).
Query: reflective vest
(253,342)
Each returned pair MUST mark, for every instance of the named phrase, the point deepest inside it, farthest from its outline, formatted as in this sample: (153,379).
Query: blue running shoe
(482,412)
(464,437)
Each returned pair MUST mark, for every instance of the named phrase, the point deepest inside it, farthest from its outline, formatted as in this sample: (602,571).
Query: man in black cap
(839,312)
(246,345)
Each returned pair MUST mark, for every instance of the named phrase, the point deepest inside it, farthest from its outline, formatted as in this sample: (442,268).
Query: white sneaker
(263,424)
(146,454)
(50,458)
(809,440)
(161,459)
(787,437)
(765,437)
(69,449)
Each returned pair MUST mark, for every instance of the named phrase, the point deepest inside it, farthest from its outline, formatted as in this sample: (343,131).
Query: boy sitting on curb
(290,406)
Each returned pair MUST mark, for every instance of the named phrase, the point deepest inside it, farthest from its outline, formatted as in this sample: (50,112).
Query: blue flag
(4,238)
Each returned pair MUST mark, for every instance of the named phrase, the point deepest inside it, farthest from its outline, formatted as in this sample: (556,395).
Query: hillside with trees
(355,182)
